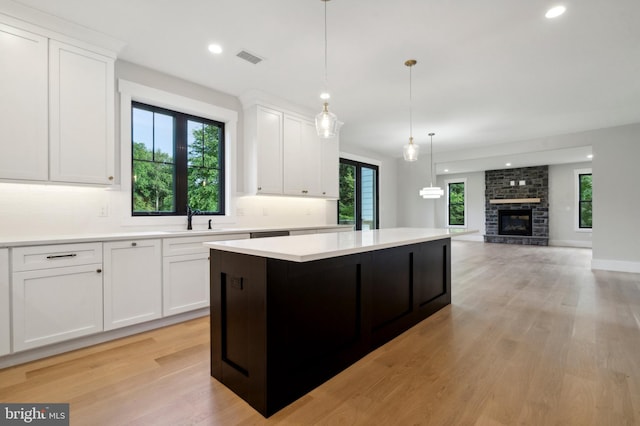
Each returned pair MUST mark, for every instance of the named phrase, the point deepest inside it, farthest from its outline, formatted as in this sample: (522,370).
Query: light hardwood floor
(533,337)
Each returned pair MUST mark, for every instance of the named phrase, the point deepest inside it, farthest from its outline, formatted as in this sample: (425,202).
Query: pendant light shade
(410,151)
(431,191)
(326,122)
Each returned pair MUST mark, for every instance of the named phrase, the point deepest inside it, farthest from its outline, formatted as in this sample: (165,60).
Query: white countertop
(304,248)
(114,236)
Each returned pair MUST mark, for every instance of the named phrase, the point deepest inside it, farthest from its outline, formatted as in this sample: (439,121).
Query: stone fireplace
(517,206)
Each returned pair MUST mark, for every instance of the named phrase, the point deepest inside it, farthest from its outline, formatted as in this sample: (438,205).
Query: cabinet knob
(98,270)
(259,188)
(110,177)
(134,244)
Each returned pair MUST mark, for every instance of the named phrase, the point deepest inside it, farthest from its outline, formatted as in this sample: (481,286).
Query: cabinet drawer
(193,245)
(56,256)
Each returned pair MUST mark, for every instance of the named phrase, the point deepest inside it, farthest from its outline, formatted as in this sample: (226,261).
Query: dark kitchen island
(288,313)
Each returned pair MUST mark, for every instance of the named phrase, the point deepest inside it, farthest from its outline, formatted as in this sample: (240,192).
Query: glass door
(358,204)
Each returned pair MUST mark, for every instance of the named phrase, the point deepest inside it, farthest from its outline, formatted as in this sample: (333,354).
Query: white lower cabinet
(185,272)
(5,323)
(60,301)
(132,282)
(185,283)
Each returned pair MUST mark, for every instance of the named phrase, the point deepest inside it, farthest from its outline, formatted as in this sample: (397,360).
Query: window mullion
(180,144)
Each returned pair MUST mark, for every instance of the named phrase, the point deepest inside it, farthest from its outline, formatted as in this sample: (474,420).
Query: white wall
(563,229)
(413,210)
(616,204)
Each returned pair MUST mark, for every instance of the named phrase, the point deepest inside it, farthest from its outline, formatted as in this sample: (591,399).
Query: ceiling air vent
(243,54)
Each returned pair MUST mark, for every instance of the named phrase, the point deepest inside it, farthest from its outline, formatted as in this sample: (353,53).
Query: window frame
(131,91)
(447,202)
(577,174)
(181,160)
(359,162)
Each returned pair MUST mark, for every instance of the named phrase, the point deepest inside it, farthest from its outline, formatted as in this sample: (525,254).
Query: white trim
(571,243)
(446,201)
(576,197)
(615,265)
(129,92)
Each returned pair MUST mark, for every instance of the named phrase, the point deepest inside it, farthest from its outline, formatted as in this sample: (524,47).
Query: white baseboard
(615,265)
(469,237)
(570,243)
(94,339)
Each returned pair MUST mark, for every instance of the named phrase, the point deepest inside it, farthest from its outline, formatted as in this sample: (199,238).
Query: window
(358,203)
(456,203)
(585,205)
(177,161)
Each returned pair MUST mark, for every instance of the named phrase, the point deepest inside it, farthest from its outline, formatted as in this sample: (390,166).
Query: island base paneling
(280,328)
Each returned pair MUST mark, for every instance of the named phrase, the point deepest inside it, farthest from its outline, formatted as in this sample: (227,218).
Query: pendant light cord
(431,171)
(410,108)
(326,79)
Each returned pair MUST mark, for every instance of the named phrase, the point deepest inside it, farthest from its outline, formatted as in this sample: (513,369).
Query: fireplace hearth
(515,222)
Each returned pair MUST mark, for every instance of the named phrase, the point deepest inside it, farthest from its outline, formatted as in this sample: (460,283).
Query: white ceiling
(489,72)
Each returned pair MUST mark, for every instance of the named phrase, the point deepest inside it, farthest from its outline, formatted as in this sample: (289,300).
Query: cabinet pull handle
(98,270)
(59,256)
(134,244)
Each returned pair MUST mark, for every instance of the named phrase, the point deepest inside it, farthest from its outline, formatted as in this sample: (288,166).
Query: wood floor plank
(532,337)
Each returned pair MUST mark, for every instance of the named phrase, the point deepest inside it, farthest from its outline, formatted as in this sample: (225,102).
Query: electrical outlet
(239,212)
(103,211)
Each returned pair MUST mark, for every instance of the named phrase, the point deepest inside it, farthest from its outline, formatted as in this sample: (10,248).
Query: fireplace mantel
(514,200)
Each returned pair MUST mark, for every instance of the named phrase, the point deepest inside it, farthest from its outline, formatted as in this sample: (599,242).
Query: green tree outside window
(585,203)
(456,203)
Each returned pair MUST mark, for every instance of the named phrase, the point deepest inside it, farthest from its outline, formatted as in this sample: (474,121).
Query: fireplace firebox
(515,222)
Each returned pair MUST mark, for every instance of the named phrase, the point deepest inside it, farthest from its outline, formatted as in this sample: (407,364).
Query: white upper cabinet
(285,156)
(302,158)
(81,131)
(330,168)
(56,109)
(263,150)
(23,105)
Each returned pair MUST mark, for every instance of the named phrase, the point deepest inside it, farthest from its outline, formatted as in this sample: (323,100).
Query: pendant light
(431,191)
(326,122)
(410,150)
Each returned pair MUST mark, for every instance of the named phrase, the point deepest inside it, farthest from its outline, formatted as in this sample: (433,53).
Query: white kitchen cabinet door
(185,283)
(23,105)
(132,282)
(81,108)
(57,304)
(330,183)
(263,151)
(5,323)
(302,157)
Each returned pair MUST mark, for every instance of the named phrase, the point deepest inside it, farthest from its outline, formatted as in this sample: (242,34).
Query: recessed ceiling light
(555,11)
(590,156)
(215,48)
(446,170)
(508,164)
